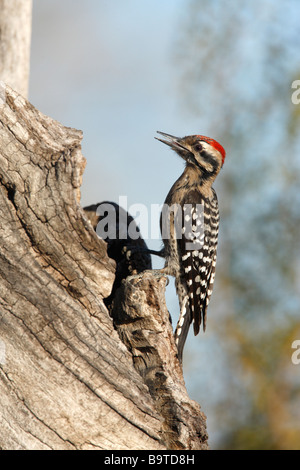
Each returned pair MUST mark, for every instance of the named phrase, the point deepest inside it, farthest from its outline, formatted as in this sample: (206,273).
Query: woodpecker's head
(204,153)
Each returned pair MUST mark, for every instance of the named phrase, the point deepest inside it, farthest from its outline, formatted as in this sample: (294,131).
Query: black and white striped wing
(198,253)
(213,220)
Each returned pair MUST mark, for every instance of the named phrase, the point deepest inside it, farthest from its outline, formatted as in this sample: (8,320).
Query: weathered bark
(15,38)
(143,323)
(72,376)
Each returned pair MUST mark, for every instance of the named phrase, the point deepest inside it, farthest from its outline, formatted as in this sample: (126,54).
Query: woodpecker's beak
(174,143)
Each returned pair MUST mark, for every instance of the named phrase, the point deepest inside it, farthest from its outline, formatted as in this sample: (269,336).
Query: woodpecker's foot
(154,272)
(159,273)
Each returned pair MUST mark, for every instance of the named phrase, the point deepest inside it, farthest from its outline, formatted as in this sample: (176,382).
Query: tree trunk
(15,37)
(71,375)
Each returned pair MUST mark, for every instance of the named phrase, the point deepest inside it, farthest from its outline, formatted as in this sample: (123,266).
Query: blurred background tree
(235,67)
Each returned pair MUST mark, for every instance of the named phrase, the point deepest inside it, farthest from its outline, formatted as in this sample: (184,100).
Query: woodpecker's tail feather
(185,318)
(182,329)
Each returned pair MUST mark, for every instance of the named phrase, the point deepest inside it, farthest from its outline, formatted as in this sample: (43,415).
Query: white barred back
(198,250)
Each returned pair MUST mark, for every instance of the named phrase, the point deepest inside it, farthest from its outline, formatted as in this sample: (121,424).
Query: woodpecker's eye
(198,147)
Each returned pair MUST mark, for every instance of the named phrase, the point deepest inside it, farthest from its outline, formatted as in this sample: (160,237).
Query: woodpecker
(191,216)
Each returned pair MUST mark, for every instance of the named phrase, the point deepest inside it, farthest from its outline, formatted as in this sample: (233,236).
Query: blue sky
(107,70)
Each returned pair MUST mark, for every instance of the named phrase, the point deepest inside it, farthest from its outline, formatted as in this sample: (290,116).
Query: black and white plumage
(198,265)
(189,225)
